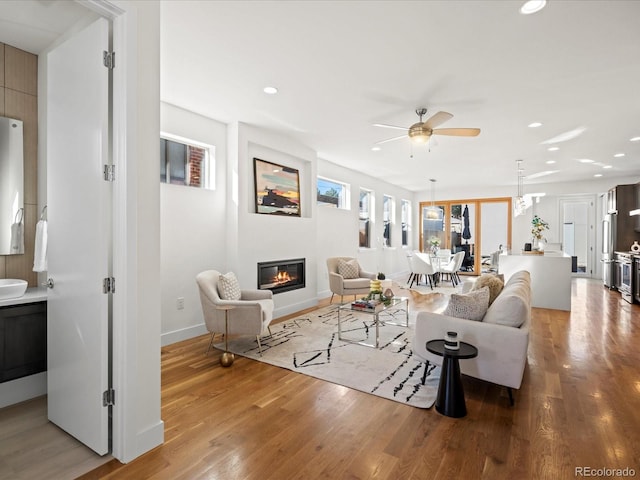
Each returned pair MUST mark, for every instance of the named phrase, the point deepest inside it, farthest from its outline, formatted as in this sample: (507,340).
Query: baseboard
(22,389)
(197,330)
(182,334)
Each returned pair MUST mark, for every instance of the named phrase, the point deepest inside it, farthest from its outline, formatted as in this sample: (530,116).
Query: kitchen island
(550,277)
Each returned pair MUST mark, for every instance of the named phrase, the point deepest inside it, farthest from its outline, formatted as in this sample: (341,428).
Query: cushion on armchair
(228,287)
(349,269)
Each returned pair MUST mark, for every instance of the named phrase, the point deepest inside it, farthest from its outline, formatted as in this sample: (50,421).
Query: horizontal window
(184,163)
(333,194)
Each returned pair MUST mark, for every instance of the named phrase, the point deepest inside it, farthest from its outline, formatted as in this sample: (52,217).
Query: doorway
(479,227)
(577,218)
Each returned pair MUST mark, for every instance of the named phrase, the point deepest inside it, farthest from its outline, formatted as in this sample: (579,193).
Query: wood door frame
(477,270)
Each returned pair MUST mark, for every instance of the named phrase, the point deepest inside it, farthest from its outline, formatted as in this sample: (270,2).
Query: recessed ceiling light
(553,149)
(376,149)
(585,160)
(532,6)
(270,90)
(618,155)
(550,162)
(635,139)
(535,125)
(607,166)
(598,175)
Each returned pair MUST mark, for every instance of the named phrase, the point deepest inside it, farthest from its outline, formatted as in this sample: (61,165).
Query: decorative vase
(635,248)
(451,341)
(434,250)
(539,243)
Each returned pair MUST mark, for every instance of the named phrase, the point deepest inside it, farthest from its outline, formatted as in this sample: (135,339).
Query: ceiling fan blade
(391,139)
(390,126)
(437,119)
(458,132)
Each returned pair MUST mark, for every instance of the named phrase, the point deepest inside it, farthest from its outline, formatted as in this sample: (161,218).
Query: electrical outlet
(180,303)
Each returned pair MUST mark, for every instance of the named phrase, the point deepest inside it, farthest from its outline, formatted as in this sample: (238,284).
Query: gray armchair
(251,315)
(339,285)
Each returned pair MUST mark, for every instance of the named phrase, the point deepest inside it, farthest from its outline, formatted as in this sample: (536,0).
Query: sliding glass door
(479,227)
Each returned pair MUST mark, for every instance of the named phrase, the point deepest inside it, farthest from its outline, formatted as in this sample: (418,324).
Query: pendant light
(519,204)
(433,212)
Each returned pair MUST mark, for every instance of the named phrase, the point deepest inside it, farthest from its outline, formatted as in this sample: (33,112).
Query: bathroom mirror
(12,217)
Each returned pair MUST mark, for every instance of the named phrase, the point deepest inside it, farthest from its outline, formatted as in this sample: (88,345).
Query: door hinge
(110,173)
(109,398)
(109,285)
(109,59)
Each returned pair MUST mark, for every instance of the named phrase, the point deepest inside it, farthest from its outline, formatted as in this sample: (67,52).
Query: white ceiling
(341,66)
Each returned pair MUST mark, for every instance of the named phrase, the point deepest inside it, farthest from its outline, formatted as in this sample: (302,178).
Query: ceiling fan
(421,132)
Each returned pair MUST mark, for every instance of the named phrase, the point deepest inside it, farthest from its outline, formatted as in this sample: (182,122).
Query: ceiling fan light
(418,133)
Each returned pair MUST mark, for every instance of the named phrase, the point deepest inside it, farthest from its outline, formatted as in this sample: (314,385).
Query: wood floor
(31,447)
(579,406)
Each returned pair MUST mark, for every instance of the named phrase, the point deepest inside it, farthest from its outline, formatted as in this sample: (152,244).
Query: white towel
(40,253)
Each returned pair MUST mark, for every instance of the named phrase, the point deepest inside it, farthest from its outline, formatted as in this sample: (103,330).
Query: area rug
(309,345)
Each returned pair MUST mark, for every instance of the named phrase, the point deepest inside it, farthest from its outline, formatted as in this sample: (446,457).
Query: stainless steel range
(624,275)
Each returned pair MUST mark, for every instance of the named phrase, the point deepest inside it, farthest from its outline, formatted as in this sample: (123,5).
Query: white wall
(219,229)
(260,237)
(192,227)
(137,424)
(338,229)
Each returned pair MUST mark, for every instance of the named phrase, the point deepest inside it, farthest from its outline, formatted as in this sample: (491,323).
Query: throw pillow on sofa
(470,306)
(228,287)
(494,283)
(349,269)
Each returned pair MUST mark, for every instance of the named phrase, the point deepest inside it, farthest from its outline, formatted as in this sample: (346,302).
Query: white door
(78,210)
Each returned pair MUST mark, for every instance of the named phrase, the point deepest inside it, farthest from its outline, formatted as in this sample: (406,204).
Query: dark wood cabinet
(23,340)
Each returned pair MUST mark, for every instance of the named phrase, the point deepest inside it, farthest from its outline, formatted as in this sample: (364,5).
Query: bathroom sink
(12,288)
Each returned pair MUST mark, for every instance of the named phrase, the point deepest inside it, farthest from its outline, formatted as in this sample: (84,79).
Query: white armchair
(251,314)
(359,283)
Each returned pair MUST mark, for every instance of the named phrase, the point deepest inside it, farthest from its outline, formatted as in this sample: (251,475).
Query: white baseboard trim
(22,389)
(197,330)
(182,334)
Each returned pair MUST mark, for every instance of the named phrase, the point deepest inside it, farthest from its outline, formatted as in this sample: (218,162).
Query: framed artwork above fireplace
(277,188)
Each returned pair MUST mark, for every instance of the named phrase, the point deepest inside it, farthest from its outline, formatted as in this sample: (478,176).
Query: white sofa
(502,348)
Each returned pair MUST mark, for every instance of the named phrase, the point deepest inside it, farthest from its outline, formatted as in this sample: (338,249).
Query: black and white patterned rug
(309,345)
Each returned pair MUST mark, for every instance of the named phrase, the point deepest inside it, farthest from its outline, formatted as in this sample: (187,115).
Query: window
(332,193)
(185,163)
(406,221)
(365,216)
(388,218)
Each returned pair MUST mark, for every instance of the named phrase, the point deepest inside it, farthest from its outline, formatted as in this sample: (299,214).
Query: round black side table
(450,400)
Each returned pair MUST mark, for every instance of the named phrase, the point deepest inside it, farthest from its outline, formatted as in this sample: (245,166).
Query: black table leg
(450,400)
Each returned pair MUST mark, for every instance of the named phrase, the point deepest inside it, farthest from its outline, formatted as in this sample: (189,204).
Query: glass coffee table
(395,304)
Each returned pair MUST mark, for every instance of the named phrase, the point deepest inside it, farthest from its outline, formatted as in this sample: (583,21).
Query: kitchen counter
(550,277)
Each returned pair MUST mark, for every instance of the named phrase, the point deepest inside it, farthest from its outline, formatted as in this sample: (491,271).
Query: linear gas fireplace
(281,275)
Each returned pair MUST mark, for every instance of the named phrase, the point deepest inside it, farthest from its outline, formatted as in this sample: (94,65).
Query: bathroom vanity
(23,335)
